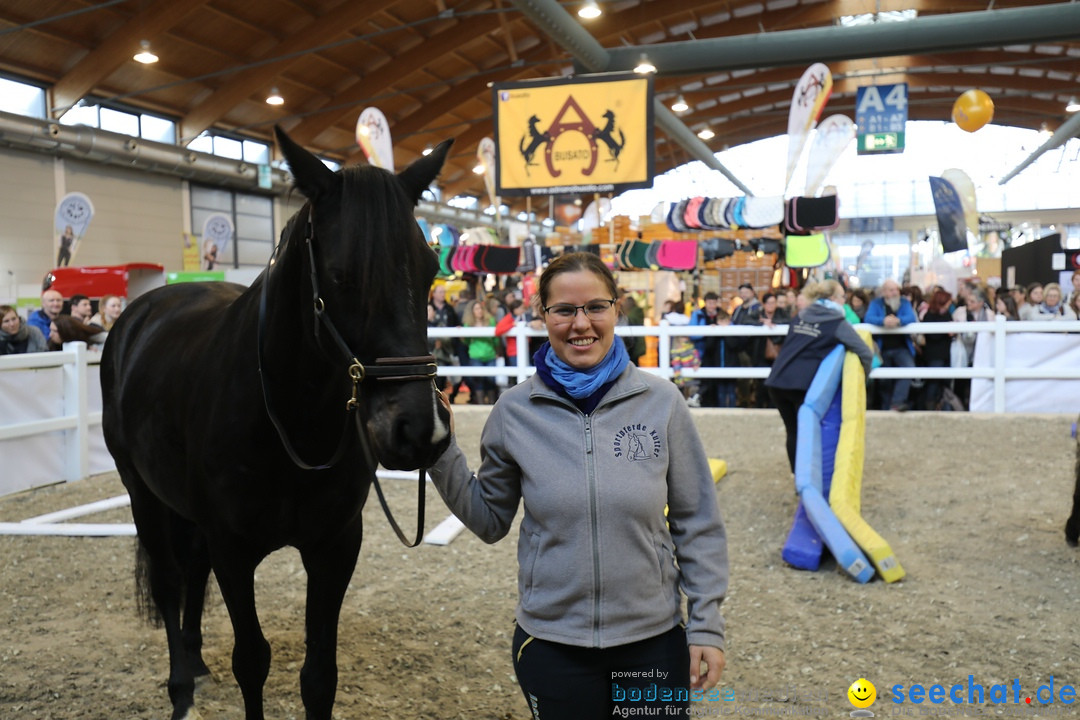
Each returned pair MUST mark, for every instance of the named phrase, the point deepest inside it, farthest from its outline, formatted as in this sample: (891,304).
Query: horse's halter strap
(391,369)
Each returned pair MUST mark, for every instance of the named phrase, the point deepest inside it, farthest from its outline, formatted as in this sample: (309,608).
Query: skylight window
(879,17)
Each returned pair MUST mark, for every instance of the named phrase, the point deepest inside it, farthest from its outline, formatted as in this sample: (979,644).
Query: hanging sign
(881,117)
(373,137)
(71,221)
(576,135)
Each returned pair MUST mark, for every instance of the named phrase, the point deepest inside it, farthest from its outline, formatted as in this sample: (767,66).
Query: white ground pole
(55,524)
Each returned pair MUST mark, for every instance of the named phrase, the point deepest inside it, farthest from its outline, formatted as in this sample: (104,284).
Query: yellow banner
(578,135)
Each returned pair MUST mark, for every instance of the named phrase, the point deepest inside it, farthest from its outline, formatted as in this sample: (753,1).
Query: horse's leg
(329,568)
(158,529)
(235,573)
(197,574)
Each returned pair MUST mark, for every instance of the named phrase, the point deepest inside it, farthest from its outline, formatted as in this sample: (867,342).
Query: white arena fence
(50,403)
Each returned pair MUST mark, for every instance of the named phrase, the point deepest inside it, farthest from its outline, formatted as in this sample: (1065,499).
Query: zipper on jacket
(594,524)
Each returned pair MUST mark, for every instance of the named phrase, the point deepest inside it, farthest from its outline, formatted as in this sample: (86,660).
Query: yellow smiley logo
(862,693)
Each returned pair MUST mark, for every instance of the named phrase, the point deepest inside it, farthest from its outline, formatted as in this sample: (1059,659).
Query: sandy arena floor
(973,506)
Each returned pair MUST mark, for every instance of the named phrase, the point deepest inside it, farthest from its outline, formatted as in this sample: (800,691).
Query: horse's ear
(312,177)
(417,177)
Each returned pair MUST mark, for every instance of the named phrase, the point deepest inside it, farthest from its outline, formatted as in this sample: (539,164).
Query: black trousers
(788,403)
(564,681)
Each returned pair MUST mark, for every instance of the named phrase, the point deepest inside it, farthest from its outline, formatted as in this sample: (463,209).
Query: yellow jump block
(845,494)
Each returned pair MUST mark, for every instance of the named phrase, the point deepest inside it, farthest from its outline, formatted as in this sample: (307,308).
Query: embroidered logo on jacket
(637,442)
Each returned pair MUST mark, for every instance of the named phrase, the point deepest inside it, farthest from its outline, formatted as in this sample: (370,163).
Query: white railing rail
(997,331)
(74,413)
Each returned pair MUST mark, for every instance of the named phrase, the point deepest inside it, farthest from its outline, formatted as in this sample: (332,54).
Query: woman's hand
(714,665)
(444,400)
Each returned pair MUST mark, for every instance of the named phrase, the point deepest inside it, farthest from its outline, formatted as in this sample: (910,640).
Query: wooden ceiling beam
(446,40)
(241,85)
(117,49)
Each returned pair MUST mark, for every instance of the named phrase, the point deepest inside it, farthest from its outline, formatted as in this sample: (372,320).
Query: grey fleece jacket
(596,559)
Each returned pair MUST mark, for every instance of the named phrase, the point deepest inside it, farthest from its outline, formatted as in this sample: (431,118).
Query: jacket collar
(628,383)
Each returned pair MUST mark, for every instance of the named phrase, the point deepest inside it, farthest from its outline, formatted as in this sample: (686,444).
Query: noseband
(385,369)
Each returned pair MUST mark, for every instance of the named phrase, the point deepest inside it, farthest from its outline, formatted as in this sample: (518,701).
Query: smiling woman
(595,449)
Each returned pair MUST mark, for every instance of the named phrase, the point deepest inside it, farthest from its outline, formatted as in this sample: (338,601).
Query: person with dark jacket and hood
(812,336)
(594,449)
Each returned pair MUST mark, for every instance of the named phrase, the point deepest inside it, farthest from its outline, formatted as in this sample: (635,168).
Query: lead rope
(411,368)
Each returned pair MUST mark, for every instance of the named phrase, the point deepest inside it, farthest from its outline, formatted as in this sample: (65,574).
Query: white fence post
(999,364)
(77,439)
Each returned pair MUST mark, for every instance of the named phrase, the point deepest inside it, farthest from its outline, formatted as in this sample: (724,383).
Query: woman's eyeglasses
(565,312)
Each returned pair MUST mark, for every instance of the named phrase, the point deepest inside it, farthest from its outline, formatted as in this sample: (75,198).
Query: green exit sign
(883,142)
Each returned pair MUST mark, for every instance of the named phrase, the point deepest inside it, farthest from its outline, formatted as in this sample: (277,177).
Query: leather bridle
(385,369)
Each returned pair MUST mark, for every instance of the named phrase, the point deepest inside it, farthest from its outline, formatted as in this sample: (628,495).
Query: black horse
(217,397)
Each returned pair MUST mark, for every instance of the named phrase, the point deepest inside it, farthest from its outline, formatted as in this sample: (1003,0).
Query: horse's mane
(377,212)
(376,205)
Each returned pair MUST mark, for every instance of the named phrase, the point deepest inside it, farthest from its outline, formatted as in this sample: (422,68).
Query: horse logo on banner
(584,125)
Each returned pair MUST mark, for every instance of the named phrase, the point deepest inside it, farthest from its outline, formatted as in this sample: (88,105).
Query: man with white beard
(891,310)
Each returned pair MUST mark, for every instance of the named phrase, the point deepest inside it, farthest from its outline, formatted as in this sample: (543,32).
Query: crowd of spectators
(52,325)
(890,305)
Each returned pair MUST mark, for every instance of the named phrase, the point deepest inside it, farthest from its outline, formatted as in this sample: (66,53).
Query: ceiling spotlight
(589,10)
(644,67)
(426,151)
(1073,105)
(706,134)
(145,55)
(680,104)
(274,98)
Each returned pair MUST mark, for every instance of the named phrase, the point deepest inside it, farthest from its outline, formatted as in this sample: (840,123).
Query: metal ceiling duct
(561,27)
(1068,130)
(937,33)
(87,143)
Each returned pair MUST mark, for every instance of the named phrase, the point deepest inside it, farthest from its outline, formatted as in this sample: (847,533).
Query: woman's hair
(74,330)
(1010,305)
(470,314)
(940,301)
(821,290)
(1074,301)
(575,262)
(914,294)
(1030,289)
(5,309)
(105,321)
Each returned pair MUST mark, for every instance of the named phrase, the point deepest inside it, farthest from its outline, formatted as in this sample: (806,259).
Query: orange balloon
(972,110)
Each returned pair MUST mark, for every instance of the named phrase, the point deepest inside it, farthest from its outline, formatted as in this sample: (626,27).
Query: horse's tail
(181,567)
(144,599)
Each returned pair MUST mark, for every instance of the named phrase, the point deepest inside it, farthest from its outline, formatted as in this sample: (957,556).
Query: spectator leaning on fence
(17,335)
(893,311)
(1053,306)
(52,304)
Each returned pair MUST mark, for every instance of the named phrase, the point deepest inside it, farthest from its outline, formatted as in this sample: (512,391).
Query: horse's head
(374,269)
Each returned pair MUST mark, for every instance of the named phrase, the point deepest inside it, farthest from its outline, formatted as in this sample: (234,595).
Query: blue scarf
(830,304)
(583,383)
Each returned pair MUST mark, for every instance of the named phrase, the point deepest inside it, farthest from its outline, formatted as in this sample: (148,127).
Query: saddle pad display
(638,254)
(623,254)
(446,255)
(690,215)
(501,259)
(652,255)
(805,251)
(678,254)
(716,248)
(763,212)
(821,213)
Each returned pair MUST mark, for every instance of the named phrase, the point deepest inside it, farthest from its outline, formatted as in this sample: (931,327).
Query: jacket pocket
(528,569)
(665,558)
